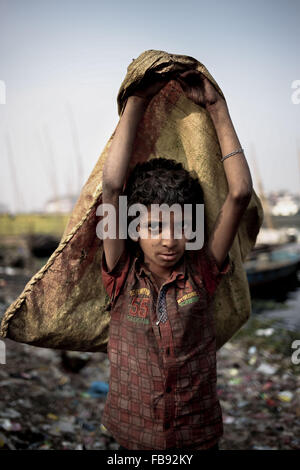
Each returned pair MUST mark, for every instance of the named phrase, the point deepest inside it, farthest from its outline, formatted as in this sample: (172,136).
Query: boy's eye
(155,226)
(183,225)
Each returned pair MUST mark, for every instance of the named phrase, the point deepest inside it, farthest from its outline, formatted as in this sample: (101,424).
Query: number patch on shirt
(139,305)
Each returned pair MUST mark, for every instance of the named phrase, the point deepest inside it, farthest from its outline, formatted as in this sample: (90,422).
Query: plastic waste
(98,389)
(265,332)
(285,396)
(265,368)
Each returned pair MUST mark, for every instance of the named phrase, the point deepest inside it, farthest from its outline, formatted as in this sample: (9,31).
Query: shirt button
(168,351)
(167,425)
(168,389)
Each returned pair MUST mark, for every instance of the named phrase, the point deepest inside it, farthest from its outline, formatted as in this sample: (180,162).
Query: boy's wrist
(138,100)
(219,112)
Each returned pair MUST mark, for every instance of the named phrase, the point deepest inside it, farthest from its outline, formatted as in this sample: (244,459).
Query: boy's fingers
(189,80)
(168,75)
(182,84)
(190,73)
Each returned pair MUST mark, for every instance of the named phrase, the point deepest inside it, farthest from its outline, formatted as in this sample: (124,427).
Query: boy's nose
(169,247)
(170,242)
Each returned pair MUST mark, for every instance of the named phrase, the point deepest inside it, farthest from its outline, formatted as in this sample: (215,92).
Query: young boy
(162,347)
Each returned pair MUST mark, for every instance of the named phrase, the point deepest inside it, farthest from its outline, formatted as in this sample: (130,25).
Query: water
(285,309)
(280,300)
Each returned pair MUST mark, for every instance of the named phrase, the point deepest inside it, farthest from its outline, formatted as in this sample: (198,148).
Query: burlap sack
(64,305)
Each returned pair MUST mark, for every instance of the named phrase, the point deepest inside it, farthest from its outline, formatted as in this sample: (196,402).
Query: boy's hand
(200,90)
(149,87)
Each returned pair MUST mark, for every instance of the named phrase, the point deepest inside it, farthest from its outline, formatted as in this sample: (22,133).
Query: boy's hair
(163,180)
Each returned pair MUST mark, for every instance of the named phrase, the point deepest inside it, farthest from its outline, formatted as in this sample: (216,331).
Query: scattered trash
(242,403)
(263,448)
(9,425)
(265,368)
(285,396)
(228,419)
(103,429)
(98,389)
(47,405)
(270,402)
(85,395)
(63,380)
(2,440)
(45,446)
(10,413)
(265,332)
(235,381)
(252,350)
(267,386)
(52,416)
(252,360)
(79,447)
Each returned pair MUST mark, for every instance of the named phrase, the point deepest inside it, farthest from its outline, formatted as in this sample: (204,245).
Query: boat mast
(77,152)
(19,201)
(298,152)
(52,169)
(264,200)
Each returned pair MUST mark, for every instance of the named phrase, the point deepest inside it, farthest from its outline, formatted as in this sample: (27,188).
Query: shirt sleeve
(211,274)
(113,280)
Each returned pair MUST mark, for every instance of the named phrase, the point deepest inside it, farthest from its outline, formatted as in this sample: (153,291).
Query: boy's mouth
(168,256)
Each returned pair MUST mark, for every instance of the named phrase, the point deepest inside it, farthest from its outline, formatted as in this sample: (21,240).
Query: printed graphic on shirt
(187,295)
(139,305)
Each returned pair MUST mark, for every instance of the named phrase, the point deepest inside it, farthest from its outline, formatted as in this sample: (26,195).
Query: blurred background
(61,67)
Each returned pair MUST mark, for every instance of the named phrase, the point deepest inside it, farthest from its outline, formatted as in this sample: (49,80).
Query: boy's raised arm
(239,185)
(115,170)
(199,89)
(120,151)
(117,161)
(236,167)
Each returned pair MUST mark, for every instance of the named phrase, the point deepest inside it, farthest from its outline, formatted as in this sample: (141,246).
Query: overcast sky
(63,62)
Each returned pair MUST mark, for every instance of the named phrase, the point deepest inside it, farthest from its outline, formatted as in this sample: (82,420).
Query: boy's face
(162,252)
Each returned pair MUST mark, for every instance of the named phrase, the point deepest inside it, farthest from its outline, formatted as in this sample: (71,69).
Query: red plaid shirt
(162,388)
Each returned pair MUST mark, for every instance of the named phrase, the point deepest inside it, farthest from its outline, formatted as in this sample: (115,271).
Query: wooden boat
(276,255)
(270,263)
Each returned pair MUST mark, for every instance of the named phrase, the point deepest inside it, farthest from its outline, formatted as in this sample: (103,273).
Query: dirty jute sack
(64,305)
